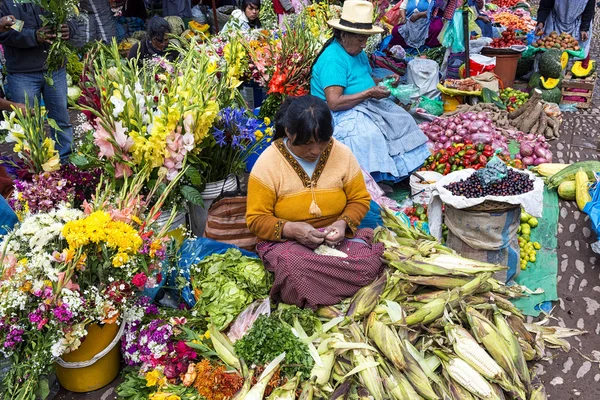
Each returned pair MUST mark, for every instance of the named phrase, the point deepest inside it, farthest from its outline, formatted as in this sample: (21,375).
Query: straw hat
(357,17)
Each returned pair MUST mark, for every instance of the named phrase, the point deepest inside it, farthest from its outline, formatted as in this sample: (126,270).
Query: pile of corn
(434,326)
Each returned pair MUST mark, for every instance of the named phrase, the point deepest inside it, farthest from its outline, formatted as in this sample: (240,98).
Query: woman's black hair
(246,3)
(158,28)
(307,117)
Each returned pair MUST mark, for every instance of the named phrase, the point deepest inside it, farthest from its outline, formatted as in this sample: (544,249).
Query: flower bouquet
(152,117)
(65,269)
(283,62)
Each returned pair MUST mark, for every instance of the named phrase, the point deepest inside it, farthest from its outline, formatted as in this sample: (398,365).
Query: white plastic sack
(476,45)
(531,201)
(424,74)
(245,320)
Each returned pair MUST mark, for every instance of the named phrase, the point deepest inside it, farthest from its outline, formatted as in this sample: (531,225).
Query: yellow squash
(582,190)
(566,190)
(549,83)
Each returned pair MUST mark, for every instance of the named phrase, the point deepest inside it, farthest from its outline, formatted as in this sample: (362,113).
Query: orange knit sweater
(279,191)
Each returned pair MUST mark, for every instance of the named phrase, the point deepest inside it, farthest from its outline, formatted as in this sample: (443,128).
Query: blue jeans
(32,85)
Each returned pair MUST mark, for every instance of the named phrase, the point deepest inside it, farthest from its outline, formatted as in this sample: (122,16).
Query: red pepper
(487,147)
(465,162)
(447,170)
(468,141)
(483,159)
(443,159)
(488,153)
(476,167)
(470,152)
(432,166)
(473,158)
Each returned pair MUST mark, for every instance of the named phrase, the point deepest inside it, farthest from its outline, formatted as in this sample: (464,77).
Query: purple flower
(62,313)
(14,336)
(35,316)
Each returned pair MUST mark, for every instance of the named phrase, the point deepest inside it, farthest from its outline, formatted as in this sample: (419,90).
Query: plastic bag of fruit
(461,191)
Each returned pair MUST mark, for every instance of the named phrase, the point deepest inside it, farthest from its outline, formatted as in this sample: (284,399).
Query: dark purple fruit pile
(514,184)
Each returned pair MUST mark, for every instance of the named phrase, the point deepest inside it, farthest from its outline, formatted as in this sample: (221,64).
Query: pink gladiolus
(122,170)
(101,139)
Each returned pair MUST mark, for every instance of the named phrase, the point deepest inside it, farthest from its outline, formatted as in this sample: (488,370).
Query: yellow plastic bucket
(101,372)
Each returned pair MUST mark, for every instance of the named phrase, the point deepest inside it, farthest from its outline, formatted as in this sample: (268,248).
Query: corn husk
(386,340)
(223,348)
(515,349)
(367,298)
(286,391)
(257,391)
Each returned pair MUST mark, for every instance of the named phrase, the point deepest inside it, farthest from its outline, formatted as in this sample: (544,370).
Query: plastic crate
(583,88)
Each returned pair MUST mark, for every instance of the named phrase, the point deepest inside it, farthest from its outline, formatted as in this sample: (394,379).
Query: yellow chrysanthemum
(120,259)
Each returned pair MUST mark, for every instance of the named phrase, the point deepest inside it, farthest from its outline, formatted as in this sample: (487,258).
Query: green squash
(552,95)
(550,64)
(535,80)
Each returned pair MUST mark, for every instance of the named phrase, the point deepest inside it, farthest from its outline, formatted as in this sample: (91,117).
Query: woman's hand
(304,234)
(418,15)
(583,35)
(6,22)
(396,79)
(379,92)
(336,232)
(65,32)
(539,30)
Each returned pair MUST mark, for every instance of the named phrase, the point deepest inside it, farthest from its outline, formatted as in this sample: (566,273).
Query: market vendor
(568,16)
(155,43)
(419,25)
(384,138)
(307,190)
(482,20)
(244,19)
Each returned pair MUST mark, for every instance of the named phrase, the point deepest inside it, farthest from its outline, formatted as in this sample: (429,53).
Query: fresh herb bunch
(268,338)
(306,318)
(56,13)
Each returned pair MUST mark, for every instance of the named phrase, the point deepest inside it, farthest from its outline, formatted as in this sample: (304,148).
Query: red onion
(539,160)
(442,139)
(438,146)
(456,139)
(462,132)
(473,117)
(539,151)
(482,115)
(527,161)
(452,126)
(475,126)
(449,132)
(447,144)
(433,136)
(484,138)
(518,156)
(529,137)
(464,116)
(485,129)
(425,126)
(526,149)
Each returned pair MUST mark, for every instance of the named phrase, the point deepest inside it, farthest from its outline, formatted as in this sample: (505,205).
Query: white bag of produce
(531,201)
(424,74)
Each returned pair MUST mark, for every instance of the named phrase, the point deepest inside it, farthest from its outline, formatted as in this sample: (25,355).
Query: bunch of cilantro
(227,284)
(267,339)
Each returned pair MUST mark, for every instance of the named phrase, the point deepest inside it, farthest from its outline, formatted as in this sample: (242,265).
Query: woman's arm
(418,15)
(8,105)
(338,101)
(587,16)
(544,10)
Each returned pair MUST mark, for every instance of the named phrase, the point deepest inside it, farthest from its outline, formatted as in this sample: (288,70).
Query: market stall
(111,263)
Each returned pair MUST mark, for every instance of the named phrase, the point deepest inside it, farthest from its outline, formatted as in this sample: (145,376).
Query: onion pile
(534,150)
(470,127)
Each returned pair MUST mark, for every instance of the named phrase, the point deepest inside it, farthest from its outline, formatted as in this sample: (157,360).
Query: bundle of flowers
(65,269)
(152,116)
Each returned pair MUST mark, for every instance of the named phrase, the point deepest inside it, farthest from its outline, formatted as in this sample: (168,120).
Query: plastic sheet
(432,106)
(592,209)
(192,252)
(494,171)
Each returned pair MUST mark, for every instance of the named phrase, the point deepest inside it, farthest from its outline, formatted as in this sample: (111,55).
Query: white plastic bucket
(177,221)
(199,215)
(421,192)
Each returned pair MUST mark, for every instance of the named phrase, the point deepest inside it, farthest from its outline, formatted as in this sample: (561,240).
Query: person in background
(102,23)
(307,190)
(482,20)
(283,7)
(384,138)
(177,8)
(420,24)
(568,16)
(244,19)
(155,43)
(26,54)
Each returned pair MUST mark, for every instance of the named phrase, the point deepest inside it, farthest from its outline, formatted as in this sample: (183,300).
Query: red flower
(139,280)
(158,278)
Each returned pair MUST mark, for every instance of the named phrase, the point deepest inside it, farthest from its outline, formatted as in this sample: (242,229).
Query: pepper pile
(459,156)
(416,213)
(528,248)
(513,98)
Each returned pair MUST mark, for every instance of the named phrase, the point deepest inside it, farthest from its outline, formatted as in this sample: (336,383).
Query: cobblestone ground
(576,374)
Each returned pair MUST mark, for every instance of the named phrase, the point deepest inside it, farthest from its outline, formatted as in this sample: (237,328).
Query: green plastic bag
(433,107)
(452,35)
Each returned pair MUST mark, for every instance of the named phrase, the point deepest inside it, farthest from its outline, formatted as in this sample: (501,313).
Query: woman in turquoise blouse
(384,138)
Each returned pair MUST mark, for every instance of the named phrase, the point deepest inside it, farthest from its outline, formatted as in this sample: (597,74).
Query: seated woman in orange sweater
(307,190)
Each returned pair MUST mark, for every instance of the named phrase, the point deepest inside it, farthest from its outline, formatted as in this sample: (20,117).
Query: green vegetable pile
(306,318)
(268,338)
(227,284)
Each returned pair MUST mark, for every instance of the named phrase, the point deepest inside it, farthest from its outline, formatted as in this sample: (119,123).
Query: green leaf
(54,125)
(192,195)
(194,176)
(43,389)
(79,160)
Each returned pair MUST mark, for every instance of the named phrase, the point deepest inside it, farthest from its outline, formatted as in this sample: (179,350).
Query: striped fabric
(226,223)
